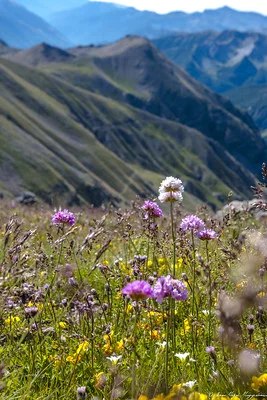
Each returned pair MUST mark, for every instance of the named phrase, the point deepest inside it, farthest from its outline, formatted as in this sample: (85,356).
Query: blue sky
(164,6)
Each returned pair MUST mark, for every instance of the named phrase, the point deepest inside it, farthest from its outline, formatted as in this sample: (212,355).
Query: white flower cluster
(171,189)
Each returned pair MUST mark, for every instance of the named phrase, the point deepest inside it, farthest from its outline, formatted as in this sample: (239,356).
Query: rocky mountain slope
(225,62)
(109,122)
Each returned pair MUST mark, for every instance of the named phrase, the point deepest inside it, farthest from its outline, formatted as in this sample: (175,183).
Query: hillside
(114,147)
(134,71)
(230,62)
(220,60)
(99,23)
(21,28)
(253,99)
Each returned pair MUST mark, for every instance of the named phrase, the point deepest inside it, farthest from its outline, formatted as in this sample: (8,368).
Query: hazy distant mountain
(225,61)
(21,28)
(47,7)
(98,22)
(141,108)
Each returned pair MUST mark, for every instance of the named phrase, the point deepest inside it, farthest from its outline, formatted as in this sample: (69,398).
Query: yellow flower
(149,263)
(197,396)
(12,320)
(186,327)
(217,396)
(142,397)
(82,347)
(101,380)
(119,346)
(73,359)
(62,324)
(159,397)
(259,383)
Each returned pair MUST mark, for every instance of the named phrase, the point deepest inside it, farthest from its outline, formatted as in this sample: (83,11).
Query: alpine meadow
(133,202)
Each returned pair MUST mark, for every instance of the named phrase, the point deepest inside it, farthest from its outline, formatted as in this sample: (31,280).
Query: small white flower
(205,312)
(114,359)
(171,189)
(163,344)
(182,356)
(189,384)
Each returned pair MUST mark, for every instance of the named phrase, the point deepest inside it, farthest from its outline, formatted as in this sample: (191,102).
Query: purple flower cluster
(152,209)
(138,290)
(63,217)
(192,223)
(167,286)
(164,287)
(206,234)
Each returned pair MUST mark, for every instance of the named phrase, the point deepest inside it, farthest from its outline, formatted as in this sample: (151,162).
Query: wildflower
(171,189)
(189,384)
(166,286)
(138,290)
(81,393)
(191,223)
(152,209)
(30,312)
(250,329)
(197,396)
(63,217)
(260,383)
(114,359)
(12,320)
(248,361)
(101,380)
(182,356)
(211,351)
(206,234)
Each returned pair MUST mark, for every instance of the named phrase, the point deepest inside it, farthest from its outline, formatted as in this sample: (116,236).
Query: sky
(165,6)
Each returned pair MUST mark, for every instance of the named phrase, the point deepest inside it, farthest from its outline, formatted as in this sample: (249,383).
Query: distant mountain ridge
(139,108)
(99,22)
(225,62)
(21,28)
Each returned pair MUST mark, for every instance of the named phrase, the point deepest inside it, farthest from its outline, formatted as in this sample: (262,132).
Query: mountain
(230,62)
(5,49)
(99,22)
(111,121)
(44,9)
(253,99)
(21,28)
(41,54)
(220,60)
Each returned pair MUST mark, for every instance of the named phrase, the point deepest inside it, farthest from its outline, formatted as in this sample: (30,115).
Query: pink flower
(63,217)
(138,290)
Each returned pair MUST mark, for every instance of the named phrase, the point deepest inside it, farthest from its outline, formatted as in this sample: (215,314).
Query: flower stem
(173,241)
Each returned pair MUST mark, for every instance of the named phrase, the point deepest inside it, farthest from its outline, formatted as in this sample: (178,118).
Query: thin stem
(210,293)
(173,241)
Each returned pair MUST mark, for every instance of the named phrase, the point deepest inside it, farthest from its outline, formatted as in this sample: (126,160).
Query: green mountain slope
(62,141)
(134,72)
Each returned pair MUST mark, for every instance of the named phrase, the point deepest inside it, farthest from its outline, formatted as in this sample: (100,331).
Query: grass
(65,323)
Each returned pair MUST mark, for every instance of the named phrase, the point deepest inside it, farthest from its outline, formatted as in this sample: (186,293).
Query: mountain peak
(41,54)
